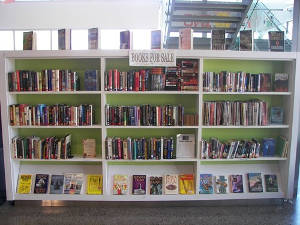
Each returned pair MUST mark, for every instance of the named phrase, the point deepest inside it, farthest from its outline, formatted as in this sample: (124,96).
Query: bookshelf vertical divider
(285,168)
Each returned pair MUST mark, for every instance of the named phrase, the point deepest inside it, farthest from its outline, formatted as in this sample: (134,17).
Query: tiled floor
(155,213)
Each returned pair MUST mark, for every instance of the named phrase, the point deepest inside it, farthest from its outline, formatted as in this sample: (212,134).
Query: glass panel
(79,39)
(110,39)
(6,40)
(43,40)
(141,39)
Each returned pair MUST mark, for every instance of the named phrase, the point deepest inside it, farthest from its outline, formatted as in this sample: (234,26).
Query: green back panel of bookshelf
(142,163)
(58,163)
(188,101)
(76,65)
(249,66)
(77,136)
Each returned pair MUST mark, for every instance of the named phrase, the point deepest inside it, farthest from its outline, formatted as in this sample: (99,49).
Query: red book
(119,148)
(18,80)
(115,85)
(136,81)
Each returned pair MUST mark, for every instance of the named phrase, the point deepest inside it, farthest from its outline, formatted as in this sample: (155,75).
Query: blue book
(91,80)
(206,184)
(268,147)
(57,184)
(277,115)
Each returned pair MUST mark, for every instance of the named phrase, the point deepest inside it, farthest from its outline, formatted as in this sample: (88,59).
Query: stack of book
(144,115)
(225,113)
(42,148)
(47,80)
(189,75)
(139,148)
(51,115)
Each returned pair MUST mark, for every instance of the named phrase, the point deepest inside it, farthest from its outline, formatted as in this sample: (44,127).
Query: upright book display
(134,151)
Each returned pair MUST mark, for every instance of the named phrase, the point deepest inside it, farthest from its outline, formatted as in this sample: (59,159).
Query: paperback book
(93,38)
(206,184)
(236,182)
(218,39)
(276,41)
(156,185)
(221,184)
(171,184)
(282,145)
(41,183)
(64,39)
(73,183)
(276,115)
(271,183)
(246,40)
(185,145)
(24,184)
(120,185)
(29,40)
(57,184)
(91,80)
(255,182)
(186,184)
(156,39)
(125,39)
(268,147)
(186,38)
(89,148)
(139,184)
(94,184)
(281,82)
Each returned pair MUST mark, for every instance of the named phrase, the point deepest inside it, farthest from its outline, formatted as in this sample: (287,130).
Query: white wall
(105,14)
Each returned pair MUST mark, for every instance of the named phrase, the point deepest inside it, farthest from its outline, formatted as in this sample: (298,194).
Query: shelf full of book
(157,133)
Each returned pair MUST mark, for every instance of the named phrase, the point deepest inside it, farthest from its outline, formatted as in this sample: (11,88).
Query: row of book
(144,115)
(221,183)
(52,80)
(42,148)
(140,148)
(238,113)
(216,149)
(51,115)
(46,80)
(69,183)
(244,82)
(158,185)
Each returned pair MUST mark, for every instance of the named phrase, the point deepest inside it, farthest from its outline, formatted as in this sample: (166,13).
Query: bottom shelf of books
(148,181)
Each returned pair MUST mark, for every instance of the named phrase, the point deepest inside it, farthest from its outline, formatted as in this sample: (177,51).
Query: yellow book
(24,184)
(94,184)
(186,184)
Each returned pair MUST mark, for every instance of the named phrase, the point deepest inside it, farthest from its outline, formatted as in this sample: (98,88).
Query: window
(141,39)
(6,40)
(110,39)
(79,39)
(43,39)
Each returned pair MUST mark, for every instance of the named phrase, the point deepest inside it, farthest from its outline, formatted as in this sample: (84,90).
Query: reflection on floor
(151,213)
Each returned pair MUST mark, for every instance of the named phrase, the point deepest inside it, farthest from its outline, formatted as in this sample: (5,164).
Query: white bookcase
(283,167)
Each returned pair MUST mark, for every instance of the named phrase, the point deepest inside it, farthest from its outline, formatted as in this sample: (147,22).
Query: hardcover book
(276,115)
(93,38)
(57,184)
(246,40)
(206,184)
(125,39)
(186,38)
(276,41)
(218,39)
(139,184)
(155,185)
(89,148)
(236,182)
(171,184)
(221,184)
(186,184)
(120,185)
(255,182)
(24,184)
(73,183)
(271,183)
(281,82)
(156,39)
(64,39)
(29,40)
(268,147)
(41,183)
(94,184)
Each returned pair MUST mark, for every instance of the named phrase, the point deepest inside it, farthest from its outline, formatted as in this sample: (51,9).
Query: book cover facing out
(218,39)
(271,183)
(171,184)
(24,183)
(125,39)
(236,182)
(276,115)
(156,39)
(206,184)
(28,40)
(94,184)
(281,82)
(221,184)
(255,182)
(120,184)
(93,38)
(57,184)
(276,41)
(139,184)
(155,185)
(246,40)
(186,184)
(41,183)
